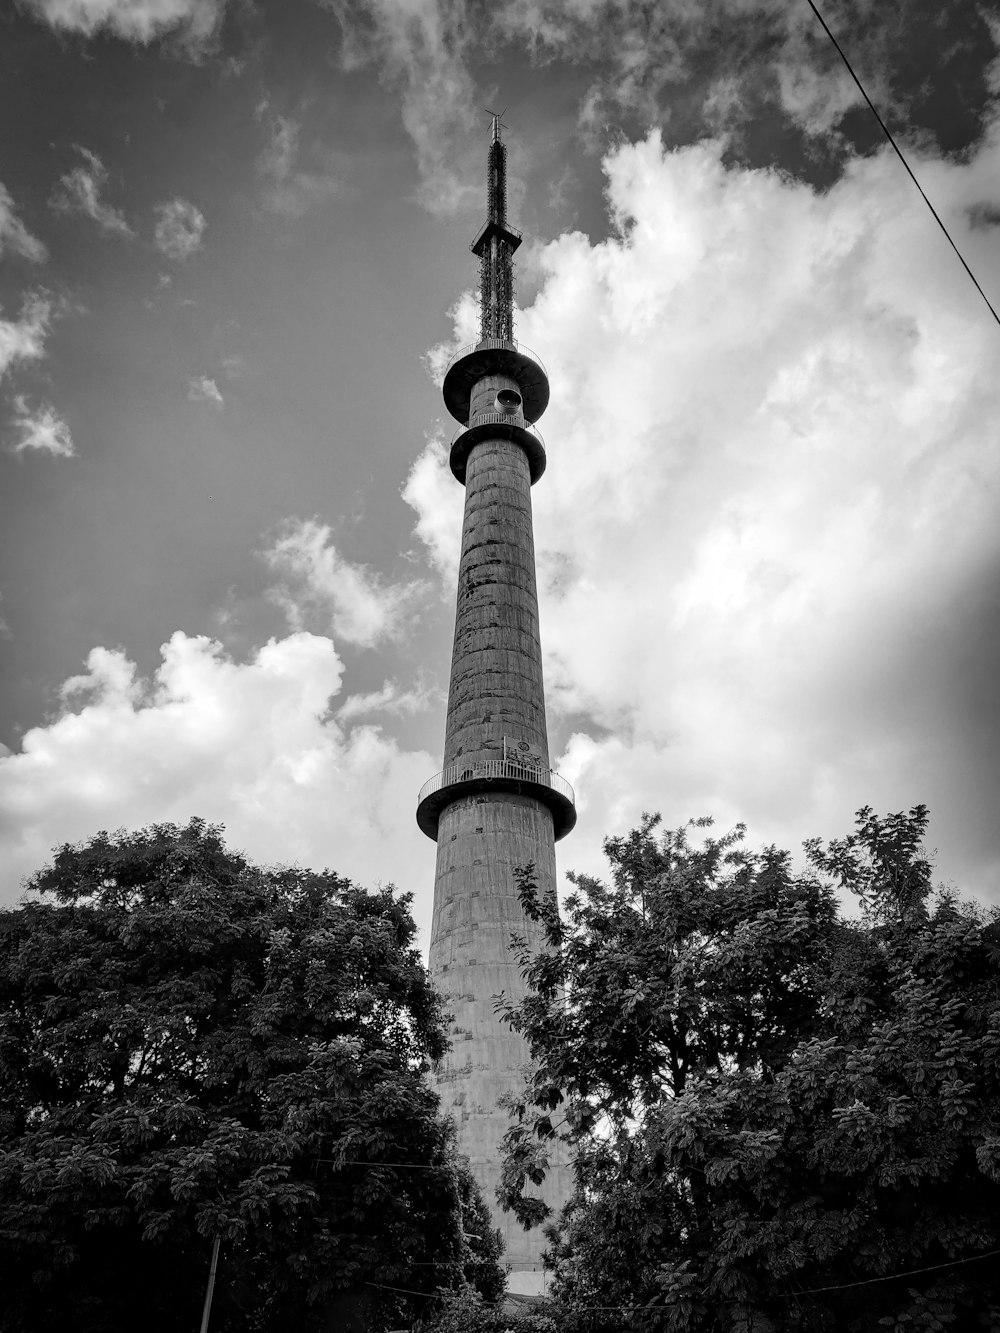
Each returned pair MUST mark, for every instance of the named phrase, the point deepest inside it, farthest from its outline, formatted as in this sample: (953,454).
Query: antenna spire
(497,123)
(495,245)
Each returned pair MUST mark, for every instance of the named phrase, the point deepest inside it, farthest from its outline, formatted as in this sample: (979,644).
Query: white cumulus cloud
(195,22)
(40,430)
(318,582)
(392,698)
(14,235)
(79,191)
(251,745)
(202,389)
(767,538)
(179,228)
(23,339)
(438,500)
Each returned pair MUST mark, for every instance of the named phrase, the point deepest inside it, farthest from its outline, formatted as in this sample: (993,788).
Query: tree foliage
(465,1311)
(192,1047)
(782,1119)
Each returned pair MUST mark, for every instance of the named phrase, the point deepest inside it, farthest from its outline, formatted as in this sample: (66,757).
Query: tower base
(482,839)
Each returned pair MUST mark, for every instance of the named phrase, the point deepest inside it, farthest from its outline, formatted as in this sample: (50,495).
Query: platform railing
(498,419)
(506,226)
(489,344)
(496,768)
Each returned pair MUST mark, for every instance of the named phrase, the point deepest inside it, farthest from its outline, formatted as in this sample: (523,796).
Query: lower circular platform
(496,775)
(492,426)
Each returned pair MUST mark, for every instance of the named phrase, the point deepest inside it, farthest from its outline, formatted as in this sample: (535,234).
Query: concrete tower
(497,804)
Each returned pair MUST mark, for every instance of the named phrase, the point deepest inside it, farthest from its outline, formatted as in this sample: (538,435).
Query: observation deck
(492,426)
(494,775)
(494,356)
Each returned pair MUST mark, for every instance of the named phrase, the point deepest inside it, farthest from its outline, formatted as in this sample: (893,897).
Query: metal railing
(506,226)
(492,344)
(499,419)
(496,768)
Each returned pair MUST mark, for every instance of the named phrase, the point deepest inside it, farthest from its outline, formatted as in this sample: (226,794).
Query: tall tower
(497,804)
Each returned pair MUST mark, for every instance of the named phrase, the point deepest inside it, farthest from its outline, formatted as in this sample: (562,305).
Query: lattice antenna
(495,245)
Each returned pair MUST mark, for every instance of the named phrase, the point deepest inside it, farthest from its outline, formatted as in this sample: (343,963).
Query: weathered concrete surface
(496,692)
(496,688)
(476,910)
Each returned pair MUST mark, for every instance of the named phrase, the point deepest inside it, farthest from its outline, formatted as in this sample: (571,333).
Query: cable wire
(888,1277)
(395,1166)
(403,1291)
(791,1295)
(888,134)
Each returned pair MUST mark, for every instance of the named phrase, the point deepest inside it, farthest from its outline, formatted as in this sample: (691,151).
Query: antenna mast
(495,246)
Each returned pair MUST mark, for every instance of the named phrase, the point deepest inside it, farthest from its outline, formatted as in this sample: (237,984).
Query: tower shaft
(496,805)
(496,689)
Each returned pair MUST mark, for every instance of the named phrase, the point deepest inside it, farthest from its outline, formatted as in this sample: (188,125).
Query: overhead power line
(898,151)
(890,1277)
(788,1295)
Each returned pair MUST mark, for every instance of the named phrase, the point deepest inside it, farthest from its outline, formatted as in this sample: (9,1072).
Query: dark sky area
(233,262)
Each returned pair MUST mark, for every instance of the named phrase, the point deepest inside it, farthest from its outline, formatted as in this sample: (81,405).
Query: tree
(466,1312)
(192,1047)
(782,1119)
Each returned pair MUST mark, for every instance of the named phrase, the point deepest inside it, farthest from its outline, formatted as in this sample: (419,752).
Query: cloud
(767,534)
(391,698)
(79,191)
(318,582)
(23,339)
(41,429)
(194,22)
(710,64)
(201,389)
(14,235)
(421,47)
(290,189)
(431,490)
(756,72)
(179,229)
(252,745)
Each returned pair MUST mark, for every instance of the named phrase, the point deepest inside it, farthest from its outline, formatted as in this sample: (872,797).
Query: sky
(233,265)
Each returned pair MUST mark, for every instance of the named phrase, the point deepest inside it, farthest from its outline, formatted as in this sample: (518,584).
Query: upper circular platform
(491,356)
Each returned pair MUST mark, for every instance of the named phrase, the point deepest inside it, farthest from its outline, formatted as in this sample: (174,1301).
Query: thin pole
(211,1285)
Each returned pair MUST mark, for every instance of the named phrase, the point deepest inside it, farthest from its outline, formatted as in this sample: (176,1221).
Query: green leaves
(192,1046)
(771,1109)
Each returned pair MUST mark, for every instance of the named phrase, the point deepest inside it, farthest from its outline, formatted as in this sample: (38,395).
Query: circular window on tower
(508,401)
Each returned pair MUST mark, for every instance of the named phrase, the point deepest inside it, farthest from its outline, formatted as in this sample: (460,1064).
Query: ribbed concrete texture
(476,910)
(496,672)
(496,696)
(496,805)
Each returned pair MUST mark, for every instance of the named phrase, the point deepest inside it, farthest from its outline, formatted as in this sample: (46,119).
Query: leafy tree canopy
(193,1047)
(465,1311)
(783,1118)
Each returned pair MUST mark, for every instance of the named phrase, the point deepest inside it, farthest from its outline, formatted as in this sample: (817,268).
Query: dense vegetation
(193,1047)
(784,1117)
